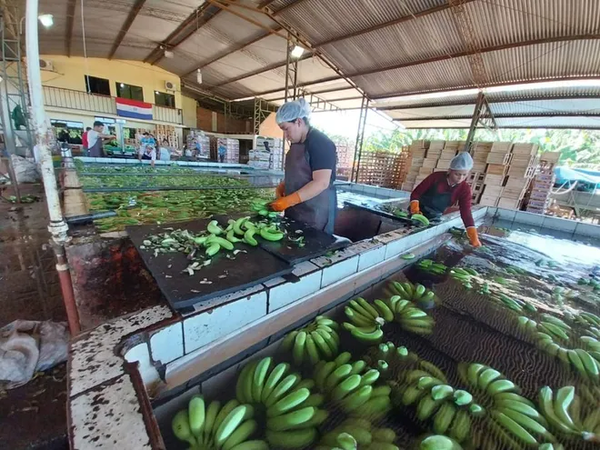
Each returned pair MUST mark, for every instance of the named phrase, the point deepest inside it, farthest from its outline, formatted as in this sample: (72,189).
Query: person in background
(440,190)
(187,152)
(222,152)
(307,193)
(84,141)
(147,152)
(95,137)
(147,139)
(164,151)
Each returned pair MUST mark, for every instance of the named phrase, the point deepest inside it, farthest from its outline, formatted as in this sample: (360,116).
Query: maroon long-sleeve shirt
(461,194)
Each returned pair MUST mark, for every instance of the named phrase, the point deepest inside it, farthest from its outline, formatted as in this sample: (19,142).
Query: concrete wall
(188,106)
(269,127)
(208,120)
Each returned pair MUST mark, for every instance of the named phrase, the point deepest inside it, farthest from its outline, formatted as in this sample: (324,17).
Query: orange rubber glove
(280,190)
(286,202)
(414,207)
(472,233)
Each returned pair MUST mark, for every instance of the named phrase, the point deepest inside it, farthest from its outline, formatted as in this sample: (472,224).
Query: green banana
(441,391)
(357,398)
(342,358)
(213,249)
(298,350)
(462,398)
(461,426)
(271,235)
(211,415)
(214,228)
(311,350)
(438,442)
(282,387)
(369,377)
(291,439)
(576,361)
(419,291)
(473,372)
(276,374)
(252,445)
(547,406)
(383,435)
(237,225)
(249,237)
(499,386)
(291,419)
(368,307)
(229,425)
(324,372)
(564,397)
(260,375)
(486,377)
(427,407)
(411,394)
(367,334)
(196,414)
(374,407)
(443,418)
(526,422)
(384,310)
(346,441)
(345,387)
(591,366)
(554,330)
(290,401)
(381,391)
(321,344)
(362,311)
(243,432)
(225,410)
(181,427)
(514,428)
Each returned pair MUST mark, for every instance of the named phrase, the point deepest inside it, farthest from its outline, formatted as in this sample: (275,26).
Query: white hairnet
(290,111)
(462,161)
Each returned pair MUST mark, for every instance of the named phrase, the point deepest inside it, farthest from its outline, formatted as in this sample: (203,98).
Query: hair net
(462,161)
(290,111)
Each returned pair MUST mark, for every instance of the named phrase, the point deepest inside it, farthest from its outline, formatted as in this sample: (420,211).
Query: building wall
(69,73)
(208,120)
(188,106)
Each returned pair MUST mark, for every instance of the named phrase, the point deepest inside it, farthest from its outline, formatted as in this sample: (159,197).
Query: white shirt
(165,155)
(152,154)
(92,137)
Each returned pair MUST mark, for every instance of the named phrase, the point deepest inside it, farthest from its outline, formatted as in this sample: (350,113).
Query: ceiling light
(168,54)
(122,85)
(156,92)
(199,76)
(297,51)
(46,20)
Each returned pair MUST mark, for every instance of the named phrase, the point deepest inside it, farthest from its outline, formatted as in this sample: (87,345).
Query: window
(65,131)
(129,91)
(95,85)
(163,99)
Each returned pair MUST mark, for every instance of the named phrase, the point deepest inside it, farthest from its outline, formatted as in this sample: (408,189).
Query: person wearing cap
(441,190)
(307,193)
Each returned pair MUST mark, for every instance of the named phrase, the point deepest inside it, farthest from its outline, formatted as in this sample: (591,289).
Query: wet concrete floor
(32,416)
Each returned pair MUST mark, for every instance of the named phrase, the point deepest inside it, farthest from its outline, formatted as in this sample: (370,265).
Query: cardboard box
(501,147)
(494,180)
(496,169)
(508,203)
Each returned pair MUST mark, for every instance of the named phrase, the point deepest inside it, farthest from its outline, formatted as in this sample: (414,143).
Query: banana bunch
(563,411)
(365,320)
(448,409)
(316,342)
(291,410)
(207,427)
(415,293)
(365,437)
(464,275)
(552,329)
(439,442)
(351,385)
(412,318)
(513,415)
(512,304)
(431,266)
(587,318)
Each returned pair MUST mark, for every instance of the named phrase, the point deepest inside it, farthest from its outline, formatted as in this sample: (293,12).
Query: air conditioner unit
(46,64)
(170,86)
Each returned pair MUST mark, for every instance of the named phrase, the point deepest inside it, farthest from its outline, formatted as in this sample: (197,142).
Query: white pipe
(57,227)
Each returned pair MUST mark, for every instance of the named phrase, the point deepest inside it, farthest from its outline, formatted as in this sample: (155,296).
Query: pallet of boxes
(497,163)
(231,147)
(417,152)
(541,185)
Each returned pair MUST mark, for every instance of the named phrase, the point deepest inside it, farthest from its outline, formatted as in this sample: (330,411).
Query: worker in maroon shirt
(441,190)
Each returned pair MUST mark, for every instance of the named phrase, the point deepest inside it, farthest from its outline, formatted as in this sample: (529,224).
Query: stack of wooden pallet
(475,180)
(449,152)
(417,151)
(480,154)
(430,162)
(383,168)
(523,164)
(541,186)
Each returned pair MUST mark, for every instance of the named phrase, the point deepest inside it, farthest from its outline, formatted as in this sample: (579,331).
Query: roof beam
(200,17)
(288,6)
(228,8)
(70,25)
(137,6)
(268,68)
(388,24)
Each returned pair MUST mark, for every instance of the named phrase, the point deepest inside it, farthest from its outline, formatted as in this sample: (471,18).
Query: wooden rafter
(70,25)
(137,6)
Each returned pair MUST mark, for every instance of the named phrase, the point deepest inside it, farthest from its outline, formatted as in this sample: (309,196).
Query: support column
(360,134)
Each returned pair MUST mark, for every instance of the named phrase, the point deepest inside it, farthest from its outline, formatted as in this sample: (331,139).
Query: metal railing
(101,104)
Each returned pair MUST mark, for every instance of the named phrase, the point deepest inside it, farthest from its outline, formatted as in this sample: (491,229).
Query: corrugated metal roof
(510,34)
(528,122)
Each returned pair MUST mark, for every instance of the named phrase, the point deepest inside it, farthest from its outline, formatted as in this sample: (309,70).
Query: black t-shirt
(321,152)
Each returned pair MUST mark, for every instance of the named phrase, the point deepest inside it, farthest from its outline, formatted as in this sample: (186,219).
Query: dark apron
(319,211)
(96,150)
(433,204)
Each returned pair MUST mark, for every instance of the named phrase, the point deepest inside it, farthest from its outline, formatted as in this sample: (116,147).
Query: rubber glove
(286,202)
(414,207)
(280,190)
(472,233)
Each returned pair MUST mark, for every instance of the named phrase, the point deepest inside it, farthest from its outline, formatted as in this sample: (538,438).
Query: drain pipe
(58,227)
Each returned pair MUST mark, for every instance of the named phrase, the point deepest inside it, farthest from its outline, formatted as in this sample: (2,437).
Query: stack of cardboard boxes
(539,197)
(450,150)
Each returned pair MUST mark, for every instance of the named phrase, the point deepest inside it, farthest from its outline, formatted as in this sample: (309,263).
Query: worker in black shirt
(307,193)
